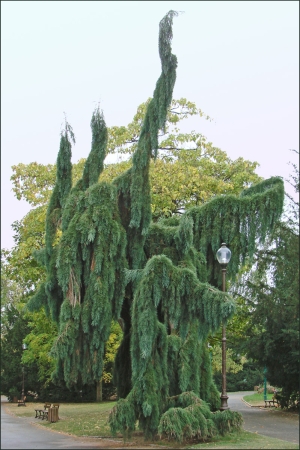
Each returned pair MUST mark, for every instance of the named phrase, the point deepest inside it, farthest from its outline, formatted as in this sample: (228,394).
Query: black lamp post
(223,257)
(24,347)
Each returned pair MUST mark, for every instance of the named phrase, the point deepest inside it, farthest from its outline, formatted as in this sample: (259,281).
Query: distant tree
(269,300)
(13,332)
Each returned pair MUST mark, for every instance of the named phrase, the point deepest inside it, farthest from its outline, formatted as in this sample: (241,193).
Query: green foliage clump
(243,221)
(189,417)
(50,293)
(227,421)
(123,417)
(244,380)
(179,424)
(90,262)
(85,281)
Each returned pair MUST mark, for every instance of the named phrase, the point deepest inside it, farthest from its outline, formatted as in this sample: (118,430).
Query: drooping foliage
(243,221)
(89,266)
(50,293)
(268,296)
(158,279)
(188,416)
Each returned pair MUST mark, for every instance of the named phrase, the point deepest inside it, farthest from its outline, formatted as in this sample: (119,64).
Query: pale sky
(238,60)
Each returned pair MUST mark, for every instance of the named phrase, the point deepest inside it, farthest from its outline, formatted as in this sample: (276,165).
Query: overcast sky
(238,60)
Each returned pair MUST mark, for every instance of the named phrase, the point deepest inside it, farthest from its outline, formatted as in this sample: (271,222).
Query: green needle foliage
(50,293)
(188,417)
(106,259)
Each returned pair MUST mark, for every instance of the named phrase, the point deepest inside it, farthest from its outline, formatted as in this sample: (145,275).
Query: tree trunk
(99,391)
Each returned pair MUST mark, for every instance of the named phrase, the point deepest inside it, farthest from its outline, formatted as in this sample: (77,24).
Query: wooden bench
(269,403)
(42,413)
(22,401)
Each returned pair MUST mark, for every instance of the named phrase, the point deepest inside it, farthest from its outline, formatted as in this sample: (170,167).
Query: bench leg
(44,415)
(268,403)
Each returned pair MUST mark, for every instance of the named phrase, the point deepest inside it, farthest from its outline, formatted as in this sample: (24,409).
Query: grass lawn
(90,420)
(80,419)
(257,399)
(245,439)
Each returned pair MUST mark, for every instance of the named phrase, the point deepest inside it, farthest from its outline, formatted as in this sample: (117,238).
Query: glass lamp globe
(223,255)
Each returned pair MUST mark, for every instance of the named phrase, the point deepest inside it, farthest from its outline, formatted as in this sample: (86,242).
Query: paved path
(20,433)
(17,433)
(268,422)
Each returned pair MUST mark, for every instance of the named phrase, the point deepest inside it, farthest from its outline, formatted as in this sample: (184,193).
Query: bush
(108,390)
(270,389)
(288,400)
(13,392)
(30,398)
(190,417)
(60,393)
(227,421)
(245,380)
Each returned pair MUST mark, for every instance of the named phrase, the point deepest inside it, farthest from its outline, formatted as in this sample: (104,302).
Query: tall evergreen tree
(113,262)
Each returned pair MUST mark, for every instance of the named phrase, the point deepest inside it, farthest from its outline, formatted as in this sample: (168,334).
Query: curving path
(268,422)
(18,433)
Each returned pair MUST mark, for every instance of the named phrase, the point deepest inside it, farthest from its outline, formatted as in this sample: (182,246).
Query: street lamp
(265,383)
(223,257)
(24,347)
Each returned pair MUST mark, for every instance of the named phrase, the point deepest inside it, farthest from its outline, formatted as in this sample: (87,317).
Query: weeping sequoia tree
(105,259)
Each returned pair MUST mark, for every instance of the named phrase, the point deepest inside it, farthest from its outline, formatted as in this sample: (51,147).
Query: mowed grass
(245,439)
(257,399)
(83,420)
(91,420)
(80,419)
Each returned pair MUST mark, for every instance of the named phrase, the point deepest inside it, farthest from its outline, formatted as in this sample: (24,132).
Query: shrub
(183,423)
(245,380)
(190,417)
(227,421)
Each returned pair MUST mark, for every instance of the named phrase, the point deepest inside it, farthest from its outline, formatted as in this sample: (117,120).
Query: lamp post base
(224,404)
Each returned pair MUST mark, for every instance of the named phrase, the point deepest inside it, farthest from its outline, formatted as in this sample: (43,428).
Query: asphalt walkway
(266,421)
(20,433)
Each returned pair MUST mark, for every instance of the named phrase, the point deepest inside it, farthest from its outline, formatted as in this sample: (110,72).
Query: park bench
(42,413)
(50,412)
(22,401)
(269,403)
